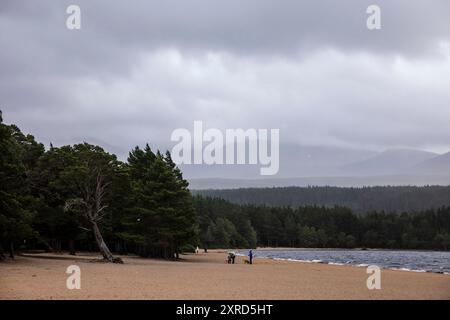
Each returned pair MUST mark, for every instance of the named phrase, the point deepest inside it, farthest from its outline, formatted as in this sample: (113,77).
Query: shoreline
(361,265)
(208,277)
(402,266)
(337,249)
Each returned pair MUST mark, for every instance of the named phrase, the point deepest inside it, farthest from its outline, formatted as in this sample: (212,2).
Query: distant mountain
(389,162)
(295,161)
(329,166)
(439,165)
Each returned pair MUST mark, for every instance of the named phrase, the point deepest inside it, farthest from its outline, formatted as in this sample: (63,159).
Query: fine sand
(207,276)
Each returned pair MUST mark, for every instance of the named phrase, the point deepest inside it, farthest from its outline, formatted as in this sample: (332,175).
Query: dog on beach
(246,261)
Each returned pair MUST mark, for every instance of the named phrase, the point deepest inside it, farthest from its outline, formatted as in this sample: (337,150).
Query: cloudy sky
(137,70)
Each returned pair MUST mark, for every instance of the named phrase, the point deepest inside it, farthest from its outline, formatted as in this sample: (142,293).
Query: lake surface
(419,261)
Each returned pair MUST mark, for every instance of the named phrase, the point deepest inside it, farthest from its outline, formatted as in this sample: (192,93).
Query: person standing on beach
(250,256)
(231,257)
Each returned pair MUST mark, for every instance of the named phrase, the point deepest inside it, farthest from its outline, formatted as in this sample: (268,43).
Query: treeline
(83,197)
(360,200)
(223,224)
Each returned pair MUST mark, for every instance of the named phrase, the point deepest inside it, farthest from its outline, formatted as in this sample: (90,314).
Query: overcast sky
(137,70)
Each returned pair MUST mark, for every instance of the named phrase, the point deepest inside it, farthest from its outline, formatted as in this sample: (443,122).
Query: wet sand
(207,276)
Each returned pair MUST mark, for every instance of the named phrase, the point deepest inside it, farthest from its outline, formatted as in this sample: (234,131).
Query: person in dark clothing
(231,257)
(250,256)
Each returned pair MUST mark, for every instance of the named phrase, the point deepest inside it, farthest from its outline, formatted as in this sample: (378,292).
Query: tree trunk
(48,247)
(11,250)
(2,254)
(72,247)
(104,250)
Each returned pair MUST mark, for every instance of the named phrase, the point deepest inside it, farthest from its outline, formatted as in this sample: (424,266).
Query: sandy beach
(207,276)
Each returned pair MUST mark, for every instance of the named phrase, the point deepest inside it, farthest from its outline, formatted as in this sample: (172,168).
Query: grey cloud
(139,69)
(114,30)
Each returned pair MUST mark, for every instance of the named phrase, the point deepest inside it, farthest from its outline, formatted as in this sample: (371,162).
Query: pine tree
(14,218)
(163,219)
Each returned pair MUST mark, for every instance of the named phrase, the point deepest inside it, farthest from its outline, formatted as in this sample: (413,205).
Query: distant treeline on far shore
(361,200)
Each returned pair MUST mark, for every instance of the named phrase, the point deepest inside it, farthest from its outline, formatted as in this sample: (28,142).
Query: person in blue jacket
(250,256)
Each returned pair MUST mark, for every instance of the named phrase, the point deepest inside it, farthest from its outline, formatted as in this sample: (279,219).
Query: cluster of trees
(223,224)
(360,200)
(81,195)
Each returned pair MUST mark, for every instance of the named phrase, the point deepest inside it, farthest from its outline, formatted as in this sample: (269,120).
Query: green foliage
(319,227)
(15,210)
(223,225)
(163,218)
(49,199)
(359,200)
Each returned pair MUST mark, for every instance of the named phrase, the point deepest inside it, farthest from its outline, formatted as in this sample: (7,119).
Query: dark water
(429,261)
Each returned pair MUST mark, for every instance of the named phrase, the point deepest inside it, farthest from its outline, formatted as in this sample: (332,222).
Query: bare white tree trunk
(96,215)
(92,209)
(104,250)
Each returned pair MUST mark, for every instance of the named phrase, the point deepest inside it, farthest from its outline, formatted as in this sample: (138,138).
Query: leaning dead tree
(92,208)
